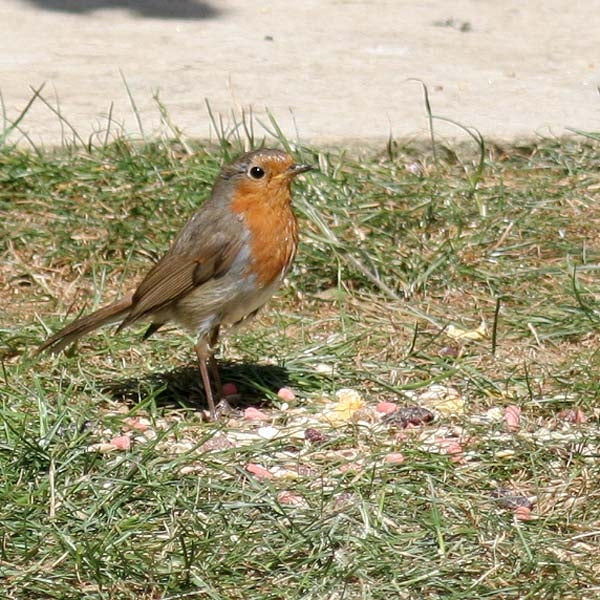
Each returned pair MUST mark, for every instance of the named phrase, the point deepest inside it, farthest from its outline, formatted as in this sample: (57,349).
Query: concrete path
(336,70)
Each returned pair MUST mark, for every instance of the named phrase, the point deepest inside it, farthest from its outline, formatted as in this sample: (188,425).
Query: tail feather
(112,313)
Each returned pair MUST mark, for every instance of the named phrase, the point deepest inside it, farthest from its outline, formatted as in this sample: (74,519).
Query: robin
(223,266)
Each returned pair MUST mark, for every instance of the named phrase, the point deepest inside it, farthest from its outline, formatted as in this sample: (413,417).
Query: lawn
(461,292)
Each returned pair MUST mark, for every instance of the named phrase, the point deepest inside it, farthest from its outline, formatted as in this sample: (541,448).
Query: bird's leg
(223,406)
(212,362)
(203,352)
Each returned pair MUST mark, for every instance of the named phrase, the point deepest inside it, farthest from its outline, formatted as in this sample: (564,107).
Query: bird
(224,264)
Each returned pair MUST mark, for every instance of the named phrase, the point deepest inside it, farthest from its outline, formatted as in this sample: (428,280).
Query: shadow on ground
(181,387)
(159,9)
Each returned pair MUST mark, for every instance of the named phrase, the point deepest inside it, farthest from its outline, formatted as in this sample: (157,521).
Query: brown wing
(177,273)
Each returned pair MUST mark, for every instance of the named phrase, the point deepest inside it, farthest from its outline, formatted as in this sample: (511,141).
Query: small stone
(102,448)
(415,168)
(494,414)
(314,436)
(508,499)
(507,453)
(216,443)
(324,369)
(450,351)
(268,433)
(189,469)
(410,415)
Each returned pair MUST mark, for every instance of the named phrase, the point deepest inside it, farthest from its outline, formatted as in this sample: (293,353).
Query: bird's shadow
(160,9)
(182,387)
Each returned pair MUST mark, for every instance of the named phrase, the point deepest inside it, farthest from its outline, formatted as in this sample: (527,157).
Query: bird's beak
(297,169)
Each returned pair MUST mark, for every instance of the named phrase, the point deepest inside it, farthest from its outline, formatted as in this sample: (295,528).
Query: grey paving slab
(335,71)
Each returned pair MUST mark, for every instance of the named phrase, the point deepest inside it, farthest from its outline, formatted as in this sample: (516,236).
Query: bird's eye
(257,173)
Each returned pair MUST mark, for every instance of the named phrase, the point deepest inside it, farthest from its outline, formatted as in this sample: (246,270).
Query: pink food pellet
(137,423)
(386,408)
(512,416)
(253,414)
(290,498)
(121,442)
(523,513)
(451,447)
(572,415)
(258,471)
(230,389)
(351,466)
(286,394)
(394,458)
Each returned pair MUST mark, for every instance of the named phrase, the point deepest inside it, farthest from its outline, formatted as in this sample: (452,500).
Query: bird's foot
(225,407)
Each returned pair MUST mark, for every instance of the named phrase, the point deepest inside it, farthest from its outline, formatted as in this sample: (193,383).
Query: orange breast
(273,231)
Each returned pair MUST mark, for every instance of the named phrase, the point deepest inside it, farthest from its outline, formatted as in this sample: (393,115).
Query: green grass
(390,257)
